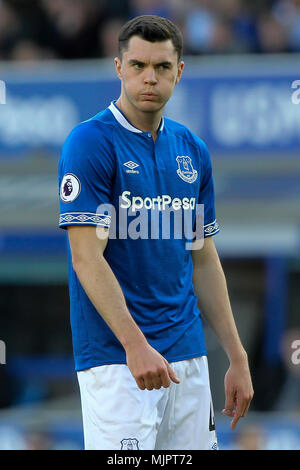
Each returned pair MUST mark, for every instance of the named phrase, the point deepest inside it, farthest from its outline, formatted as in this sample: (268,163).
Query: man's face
(148,71)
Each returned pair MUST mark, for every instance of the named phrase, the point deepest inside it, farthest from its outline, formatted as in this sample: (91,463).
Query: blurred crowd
(76,29)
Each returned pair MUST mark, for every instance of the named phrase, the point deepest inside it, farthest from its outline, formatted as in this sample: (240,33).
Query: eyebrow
(139,62)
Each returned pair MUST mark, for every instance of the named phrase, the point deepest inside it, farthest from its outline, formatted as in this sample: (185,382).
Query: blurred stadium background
(241,60)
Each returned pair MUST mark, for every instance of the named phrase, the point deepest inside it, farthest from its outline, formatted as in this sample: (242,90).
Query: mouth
(149,95)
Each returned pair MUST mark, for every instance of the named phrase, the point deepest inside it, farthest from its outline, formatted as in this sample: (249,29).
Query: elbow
(77,263)
(84,261)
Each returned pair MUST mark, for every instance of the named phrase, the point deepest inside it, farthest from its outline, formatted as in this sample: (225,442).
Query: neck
(146,122)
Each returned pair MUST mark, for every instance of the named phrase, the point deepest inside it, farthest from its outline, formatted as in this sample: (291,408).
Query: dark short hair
(150,28)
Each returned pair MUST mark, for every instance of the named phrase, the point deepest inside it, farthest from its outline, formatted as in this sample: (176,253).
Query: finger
(172,374)
(140,383)
(151,379)
(243,414)
(239,412)
(156,381)
(235,421)
(148,383)
(165,379)
(247,406)
(228,412)
(246,410)
(230,403)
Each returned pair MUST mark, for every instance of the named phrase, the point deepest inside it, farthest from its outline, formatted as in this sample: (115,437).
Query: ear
(118,66)
(179,71)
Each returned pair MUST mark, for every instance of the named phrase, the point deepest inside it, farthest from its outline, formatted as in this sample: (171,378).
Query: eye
(164,66)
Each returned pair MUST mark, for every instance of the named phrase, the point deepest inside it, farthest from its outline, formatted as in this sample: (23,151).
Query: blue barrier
(64,432)
(251,108)
(35,242)
(41,367)
(275,307)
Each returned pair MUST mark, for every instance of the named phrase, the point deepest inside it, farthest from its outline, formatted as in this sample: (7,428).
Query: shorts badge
(129,444)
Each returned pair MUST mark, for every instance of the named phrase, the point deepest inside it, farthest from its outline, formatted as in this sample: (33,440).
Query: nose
(150,77)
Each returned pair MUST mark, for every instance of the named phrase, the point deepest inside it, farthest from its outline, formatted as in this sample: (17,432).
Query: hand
(238,391)
(149,368)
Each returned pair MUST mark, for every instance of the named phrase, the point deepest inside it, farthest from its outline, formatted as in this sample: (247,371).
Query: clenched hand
(149,368)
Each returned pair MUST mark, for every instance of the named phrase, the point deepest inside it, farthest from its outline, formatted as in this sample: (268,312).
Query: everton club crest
(185,169)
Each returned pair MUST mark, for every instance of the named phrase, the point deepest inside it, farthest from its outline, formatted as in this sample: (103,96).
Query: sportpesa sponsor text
(160,202)
(135,213)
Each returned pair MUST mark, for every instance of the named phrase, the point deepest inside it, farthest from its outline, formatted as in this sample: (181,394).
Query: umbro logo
(131,164)
(131,167)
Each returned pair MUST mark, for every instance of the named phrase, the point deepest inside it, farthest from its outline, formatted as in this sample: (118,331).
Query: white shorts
(118,415)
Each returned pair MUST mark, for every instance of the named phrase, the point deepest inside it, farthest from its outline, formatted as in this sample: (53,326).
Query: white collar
(123,121)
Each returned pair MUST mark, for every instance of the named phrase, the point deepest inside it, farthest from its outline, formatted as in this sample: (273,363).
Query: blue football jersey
(113,175)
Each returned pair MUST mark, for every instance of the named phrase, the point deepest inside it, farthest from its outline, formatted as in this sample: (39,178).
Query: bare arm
(147,366)
(213,300)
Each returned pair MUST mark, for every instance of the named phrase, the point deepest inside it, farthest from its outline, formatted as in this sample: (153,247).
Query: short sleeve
(85,175)
(206,193)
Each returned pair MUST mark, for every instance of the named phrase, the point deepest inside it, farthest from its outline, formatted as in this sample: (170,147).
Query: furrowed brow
(139,62)
(165,63)
(135,61)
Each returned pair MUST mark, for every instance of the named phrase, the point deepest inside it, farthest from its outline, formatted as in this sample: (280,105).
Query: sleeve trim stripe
(211,228)
(85,218)
(211,223)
